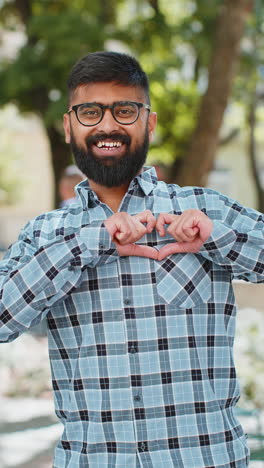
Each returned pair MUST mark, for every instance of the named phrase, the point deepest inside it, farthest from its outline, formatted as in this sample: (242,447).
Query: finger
(124,233)
(198,219)
(179,247)
(118,222)
(164,218)
(122,237)
(151,223)
(206,227)
(182,233)
(148,218)
(144,251)
(134,233)
(191,232)
(137,250)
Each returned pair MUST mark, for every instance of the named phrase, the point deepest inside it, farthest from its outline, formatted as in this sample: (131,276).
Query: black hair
(105,67)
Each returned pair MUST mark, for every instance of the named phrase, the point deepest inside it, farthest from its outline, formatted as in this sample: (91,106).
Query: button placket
(132,346)
(137,397)
(142,446)
(132,350)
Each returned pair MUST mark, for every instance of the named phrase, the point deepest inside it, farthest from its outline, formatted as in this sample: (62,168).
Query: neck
(112,197)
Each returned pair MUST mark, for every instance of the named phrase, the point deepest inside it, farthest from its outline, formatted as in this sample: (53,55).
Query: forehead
(107,93)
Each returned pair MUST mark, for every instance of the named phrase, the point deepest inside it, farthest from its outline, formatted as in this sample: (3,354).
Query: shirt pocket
(184,280)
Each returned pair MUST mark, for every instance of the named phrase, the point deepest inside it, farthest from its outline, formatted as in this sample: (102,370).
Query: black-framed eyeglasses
(124,112)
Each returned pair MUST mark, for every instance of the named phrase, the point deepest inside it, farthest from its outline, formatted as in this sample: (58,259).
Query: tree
(252,149)
(249,90)
(170,39)
(210,33)
(200,155)
(57,34)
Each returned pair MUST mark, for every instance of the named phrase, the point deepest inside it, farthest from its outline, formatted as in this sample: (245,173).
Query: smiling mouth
(108,144)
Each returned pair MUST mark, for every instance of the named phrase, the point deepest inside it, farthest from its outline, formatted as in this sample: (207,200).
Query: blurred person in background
(135,280)
(71,176)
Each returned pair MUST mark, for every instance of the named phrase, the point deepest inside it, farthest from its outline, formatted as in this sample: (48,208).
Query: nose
(108,123)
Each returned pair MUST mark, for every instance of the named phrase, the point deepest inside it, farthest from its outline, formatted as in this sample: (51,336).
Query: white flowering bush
(24,367)
(249,347)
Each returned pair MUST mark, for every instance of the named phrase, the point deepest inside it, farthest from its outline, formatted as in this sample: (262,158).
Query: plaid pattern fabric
(141,351)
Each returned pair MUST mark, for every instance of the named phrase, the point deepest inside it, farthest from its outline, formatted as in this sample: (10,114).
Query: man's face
(109,153)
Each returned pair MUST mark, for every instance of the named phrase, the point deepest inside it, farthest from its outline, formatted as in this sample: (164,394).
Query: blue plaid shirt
(141,350)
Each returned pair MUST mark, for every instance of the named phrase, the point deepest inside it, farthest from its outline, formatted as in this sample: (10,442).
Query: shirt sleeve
(237,240)
(33,279)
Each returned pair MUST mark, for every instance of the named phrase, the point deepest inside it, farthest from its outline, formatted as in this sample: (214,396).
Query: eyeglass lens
(91,114)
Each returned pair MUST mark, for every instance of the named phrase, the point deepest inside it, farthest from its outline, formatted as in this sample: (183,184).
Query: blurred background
(205,61)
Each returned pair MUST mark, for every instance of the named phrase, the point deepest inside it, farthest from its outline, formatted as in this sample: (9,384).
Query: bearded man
(135,281)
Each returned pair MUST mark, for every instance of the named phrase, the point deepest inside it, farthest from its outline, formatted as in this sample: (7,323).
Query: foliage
(173,102)
(59,33)
(174,41)
(249,90)
(42,63)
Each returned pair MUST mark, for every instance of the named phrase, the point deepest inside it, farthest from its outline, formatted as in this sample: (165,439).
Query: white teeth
(107,144)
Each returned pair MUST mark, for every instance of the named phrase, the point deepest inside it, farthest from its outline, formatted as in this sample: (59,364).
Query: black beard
(118,171)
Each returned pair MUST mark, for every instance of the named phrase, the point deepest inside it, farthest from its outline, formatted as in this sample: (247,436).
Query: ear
(152,122)
(67,128)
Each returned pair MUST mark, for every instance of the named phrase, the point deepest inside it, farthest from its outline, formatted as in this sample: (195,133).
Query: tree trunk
(24,9)
(61,158)
(201,153)
(252,152)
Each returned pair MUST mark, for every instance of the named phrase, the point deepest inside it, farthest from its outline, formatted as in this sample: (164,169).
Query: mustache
(93,139)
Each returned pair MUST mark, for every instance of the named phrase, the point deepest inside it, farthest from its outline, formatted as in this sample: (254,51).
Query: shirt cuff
(95,242)
(220,241)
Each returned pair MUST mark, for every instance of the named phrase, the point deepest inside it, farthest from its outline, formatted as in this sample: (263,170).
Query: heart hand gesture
(190,229)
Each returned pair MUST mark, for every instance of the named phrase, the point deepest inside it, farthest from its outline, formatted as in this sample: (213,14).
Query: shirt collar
(146,180)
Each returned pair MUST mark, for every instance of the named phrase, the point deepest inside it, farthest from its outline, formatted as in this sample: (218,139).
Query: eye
(89,112)
(125,111)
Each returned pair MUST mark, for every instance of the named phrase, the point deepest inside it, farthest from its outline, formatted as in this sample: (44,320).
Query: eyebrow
(115,102)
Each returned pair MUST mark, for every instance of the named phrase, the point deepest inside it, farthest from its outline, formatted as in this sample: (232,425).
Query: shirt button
(101,246)
(132,350)
(137,398)
(127,301)
(143,446)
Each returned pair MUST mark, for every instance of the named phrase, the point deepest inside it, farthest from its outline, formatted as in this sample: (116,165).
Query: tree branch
(155,5)
(234,132)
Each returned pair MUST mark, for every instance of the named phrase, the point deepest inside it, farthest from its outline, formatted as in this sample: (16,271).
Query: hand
(190,229)
(125,230)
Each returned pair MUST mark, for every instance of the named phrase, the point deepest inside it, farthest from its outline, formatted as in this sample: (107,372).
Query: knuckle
(123,214)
